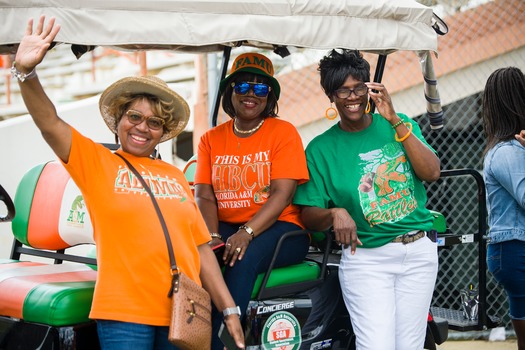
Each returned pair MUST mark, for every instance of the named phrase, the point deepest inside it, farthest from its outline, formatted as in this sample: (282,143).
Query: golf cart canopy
(376,26)
(380,26)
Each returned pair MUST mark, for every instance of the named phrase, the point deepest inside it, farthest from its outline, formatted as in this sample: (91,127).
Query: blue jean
(116,335)
(506,262)
(241,278)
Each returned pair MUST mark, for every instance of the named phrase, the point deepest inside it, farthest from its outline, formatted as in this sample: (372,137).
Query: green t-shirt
(367,173)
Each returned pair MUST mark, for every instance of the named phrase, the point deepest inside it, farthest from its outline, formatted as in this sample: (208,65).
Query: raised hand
(34,44)
(379,94)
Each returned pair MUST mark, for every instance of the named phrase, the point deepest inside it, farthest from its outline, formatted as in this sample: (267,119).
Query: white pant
(387,291)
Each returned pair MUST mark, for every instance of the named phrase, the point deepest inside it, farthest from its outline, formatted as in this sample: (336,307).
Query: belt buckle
(406,238)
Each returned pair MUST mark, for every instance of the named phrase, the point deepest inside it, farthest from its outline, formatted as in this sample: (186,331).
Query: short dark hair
(272,108)
(503,109)
(336,66)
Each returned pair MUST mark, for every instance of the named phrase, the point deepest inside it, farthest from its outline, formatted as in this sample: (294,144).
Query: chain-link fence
(478,42)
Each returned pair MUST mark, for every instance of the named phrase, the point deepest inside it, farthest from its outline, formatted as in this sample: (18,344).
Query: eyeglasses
(259,89)
(136,118)
(359,90)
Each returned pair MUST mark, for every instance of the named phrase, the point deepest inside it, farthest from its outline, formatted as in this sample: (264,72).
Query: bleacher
(68,79)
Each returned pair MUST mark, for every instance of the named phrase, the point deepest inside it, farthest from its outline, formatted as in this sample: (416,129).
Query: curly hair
(335,67)
(271,109)
(121,104)
(503,109)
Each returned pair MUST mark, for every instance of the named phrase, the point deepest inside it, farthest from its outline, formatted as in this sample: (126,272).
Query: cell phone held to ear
(227,339)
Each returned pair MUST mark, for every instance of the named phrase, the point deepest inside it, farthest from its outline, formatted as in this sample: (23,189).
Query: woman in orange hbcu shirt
(247,172)
(130,302)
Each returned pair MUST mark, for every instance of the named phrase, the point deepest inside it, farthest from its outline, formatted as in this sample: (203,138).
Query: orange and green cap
(256,63)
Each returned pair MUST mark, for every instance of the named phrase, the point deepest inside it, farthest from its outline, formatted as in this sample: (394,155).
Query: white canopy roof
(379,26)
(205,25)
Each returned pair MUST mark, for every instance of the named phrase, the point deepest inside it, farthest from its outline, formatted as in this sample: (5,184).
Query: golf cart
(51,309)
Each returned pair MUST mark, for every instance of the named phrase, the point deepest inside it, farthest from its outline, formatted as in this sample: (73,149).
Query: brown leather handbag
(190,326)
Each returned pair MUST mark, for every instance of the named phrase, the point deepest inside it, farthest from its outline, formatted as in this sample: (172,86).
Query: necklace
(246,131)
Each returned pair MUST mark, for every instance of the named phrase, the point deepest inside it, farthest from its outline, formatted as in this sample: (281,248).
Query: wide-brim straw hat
(146,85)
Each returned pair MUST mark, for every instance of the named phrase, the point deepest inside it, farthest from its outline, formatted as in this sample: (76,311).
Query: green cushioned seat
(305,271)
(42,292)
(59,303)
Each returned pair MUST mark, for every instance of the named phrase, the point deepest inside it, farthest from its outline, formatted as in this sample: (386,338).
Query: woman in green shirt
(366,177)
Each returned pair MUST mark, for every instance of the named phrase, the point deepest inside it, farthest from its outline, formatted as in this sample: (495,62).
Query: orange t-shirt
(133,263)
(240,169)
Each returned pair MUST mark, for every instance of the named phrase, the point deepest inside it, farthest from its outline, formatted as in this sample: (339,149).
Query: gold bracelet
(248,230)
(409,126)
(397,124)
(215,235)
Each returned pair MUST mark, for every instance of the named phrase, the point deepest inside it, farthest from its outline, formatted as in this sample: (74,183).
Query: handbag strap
(173,262)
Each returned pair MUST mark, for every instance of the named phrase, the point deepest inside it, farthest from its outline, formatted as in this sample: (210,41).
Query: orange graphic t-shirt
(240,169)
(133,264)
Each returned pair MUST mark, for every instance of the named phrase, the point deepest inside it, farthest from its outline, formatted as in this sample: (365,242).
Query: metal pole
(224,69)
(142,63)
(378,76)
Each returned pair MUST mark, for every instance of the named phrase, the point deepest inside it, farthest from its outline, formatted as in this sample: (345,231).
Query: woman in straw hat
(247,172)
(130,302)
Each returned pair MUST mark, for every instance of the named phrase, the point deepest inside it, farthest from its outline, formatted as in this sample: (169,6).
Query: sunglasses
(359,90)
(259,89)
(136,118)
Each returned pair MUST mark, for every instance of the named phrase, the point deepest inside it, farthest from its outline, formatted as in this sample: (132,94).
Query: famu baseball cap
(253,63)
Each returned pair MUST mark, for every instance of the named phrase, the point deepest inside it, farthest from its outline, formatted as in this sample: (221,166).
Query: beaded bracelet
(409,126)
(397,124)
(15,73)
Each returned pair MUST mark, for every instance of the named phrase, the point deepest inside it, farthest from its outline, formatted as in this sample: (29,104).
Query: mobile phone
(218,247)
(227,339)
(219,251)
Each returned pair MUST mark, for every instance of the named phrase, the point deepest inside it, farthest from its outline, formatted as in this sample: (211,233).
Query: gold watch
(247,229)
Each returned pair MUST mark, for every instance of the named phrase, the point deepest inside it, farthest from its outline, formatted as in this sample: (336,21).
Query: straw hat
(149,85)
(253,63)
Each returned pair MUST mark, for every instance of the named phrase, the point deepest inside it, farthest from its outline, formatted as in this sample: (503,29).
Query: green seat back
(440,224)
(304,271)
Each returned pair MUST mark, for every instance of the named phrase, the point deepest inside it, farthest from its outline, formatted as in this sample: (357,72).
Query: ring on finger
(238,250)
(229,244)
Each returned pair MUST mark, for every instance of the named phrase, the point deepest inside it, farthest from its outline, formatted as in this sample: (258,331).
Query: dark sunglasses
(259,89)
(136,118)
(359,90)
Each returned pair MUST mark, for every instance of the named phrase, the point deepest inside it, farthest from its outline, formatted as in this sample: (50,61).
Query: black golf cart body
(220,26)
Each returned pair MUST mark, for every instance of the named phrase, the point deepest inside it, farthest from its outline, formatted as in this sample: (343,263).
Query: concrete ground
(509,344)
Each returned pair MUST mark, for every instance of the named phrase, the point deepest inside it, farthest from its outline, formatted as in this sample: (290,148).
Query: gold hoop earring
(330,113)
(367,110)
